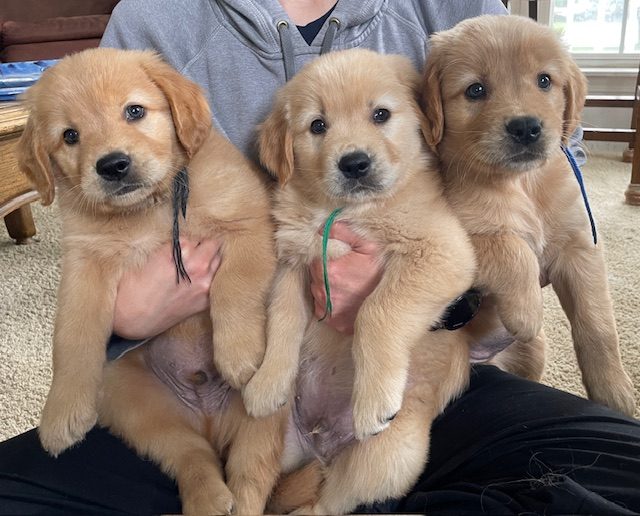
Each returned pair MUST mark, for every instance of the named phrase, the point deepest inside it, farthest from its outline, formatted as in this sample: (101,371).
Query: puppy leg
(238,304)
(383,466)
(253,463)
(288,316)
(297,489)
(579,278)
(83,324)
(525,359)
(391,321)
(146,414)
(388,464)
(509,269)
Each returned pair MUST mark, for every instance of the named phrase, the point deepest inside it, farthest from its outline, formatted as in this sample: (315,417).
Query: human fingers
(342,231)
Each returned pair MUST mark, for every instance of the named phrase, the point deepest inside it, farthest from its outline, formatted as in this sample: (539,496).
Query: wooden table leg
(627,155)
(20,224)
(632,195)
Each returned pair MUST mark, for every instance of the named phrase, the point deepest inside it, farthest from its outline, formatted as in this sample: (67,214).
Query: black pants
(507,446)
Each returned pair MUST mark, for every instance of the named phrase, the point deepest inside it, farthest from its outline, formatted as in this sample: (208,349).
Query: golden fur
(105,233)
(392,363)
(522,204)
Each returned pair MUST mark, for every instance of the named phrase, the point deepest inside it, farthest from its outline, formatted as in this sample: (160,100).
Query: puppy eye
(381,115)
(71,136)
(318,126)
(544,81)
(133,112)
(476,91)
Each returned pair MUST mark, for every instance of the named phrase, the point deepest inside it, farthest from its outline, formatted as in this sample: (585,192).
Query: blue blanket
(15,78)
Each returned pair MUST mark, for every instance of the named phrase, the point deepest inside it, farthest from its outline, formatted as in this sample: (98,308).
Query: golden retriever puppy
(345,134)
(127,140)
(501,95)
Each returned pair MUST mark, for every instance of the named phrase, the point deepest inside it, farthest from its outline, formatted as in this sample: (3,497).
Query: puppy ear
(575,93)
(404,70)
(408,76)
(34,161)
(275,143)
(431,99)
(189,107)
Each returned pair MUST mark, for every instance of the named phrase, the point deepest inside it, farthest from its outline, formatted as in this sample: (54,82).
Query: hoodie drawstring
(287,49)
(287,44)
(329,36)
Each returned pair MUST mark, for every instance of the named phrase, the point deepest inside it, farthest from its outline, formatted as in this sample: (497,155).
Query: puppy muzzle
(524,141)
(116,172)
(355,165)
(357,174)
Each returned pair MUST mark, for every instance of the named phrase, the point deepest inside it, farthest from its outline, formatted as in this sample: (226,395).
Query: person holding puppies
(506,445)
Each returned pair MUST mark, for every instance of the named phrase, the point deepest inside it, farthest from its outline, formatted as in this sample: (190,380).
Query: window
(599,33)
(598,26)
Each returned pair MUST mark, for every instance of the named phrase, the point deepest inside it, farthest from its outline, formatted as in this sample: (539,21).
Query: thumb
(343,232)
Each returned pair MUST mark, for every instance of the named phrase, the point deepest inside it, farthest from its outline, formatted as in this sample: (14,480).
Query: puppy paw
(616,393)
(64,424)
(522,315)
(309,510)
(208,501)
(238,363)
(265,393)
(373,414)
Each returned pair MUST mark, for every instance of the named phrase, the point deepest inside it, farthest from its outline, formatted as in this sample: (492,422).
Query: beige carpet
(29,276)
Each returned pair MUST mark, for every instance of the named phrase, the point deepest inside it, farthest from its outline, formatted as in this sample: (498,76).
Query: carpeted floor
(29,276)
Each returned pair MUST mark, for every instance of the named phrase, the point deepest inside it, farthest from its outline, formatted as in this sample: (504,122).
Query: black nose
(524,129)
(114,166)
(354,165)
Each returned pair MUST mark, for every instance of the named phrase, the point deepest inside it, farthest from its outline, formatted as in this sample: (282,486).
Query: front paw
(239,361)
(265,393)
(373,410)
(522,315)
(616,392)
(209,499)
(65,421)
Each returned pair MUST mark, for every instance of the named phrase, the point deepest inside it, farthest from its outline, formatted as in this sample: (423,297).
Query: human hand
(352,278)
(150,301)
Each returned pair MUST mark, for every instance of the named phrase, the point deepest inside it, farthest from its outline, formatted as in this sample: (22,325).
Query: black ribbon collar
(460,311)
(180,199)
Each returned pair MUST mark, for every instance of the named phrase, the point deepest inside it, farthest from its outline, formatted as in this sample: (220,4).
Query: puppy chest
(489,214)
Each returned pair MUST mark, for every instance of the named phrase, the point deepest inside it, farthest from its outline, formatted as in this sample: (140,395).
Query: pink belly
(186,367)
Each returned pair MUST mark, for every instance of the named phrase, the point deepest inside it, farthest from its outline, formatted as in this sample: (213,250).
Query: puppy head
(112,126)
(500,92)
(346,127)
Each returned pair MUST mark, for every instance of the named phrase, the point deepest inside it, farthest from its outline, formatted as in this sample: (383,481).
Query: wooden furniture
(15,191)
(630,136)
(32,30)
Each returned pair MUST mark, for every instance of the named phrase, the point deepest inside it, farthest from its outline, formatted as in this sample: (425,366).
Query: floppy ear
(408,76)
(275,143)
(34,161)
(404,70)
(575,93)
(431,100)
(189,107)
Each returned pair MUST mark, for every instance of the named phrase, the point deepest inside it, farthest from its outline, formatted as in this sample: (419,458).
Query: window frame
(622,63)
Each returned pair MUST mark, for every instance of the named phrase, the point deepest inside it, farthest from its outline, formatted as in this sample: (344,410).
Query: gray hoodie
(237,50)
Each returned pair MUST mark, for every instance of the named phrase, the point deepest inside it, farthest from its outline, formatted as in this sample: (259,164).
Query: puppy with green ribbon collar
(345,146)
